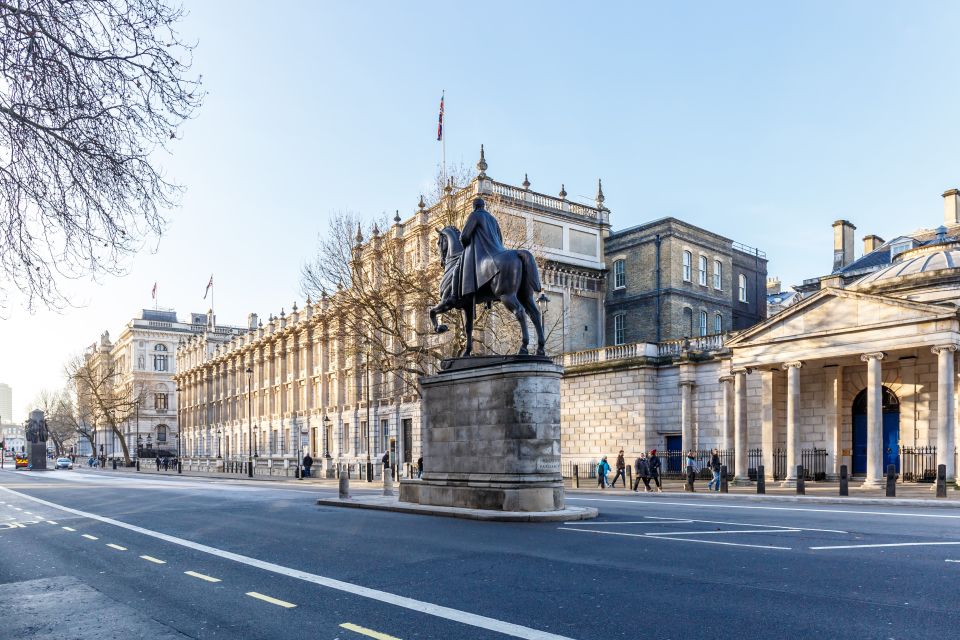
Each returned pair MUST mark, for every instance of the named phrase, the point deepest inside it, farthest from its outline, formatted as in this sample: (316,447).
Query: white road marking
(666,536)
(154,560)
(202,576)
(583,523)
(697,533)
(116,546)
(279,603)
(654,503)
(439,611)
(51,522)
(68,529)
(18,508)
(748,524)
(951,560)
(29,513)
(892,544)
(349,626)
(90,537)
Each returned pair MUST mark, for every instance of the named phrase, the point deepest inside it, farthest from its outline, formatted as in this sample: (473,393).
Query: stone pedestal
(491,436)
(37,456)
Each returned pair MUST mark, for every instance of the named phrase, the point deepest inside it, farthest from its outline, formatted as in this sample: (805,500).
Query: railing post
(761,479)
(844,481)
(941,481)
(891,481)
(801,489)
(723,479)
(576,476)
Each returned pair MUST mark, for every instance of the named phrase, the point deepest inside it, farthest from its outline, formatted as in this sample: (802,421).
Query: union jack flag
(440,123)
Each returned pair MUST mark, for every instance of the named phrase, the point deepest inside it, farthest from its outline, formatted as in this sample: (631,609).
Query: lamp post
(219,438)
(139,447)
(366,387)
(179,463)
(302,432)
(249,422)
(256,441)
(544,303)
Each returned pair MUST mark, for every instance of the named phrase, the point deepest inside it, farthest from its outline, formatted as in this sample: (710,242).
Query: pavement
(225,558)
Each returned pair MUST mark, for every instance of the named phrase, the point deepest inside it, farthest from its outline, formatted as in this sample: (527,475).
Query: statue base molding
(491,436)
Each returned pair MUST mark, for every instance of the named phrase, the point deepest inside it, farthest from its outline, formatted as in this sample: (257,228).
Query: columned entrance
(891,431)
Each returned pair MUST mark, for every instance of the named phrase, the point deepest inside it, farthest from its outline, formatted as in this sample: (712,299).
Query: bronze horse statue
(515,283)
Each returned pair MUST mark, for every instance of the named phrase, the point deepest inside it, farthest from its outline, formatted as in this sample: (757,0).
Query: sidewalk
(213,475)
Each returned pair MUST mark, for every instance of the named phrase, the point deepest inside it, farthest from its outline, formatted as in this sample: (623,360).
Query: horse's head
(449,243)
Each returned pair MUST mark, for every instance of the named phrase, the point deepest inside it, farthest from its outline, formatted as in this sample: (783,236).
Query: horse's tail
(530,270)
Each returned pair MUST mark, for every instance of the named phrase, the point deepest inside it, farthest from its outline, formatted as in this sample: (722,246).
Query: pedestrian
(603,468)
(654,464)
(307,463)
(420,467)
(158,462)
(385,461)
(691,464)
(166,464)
(621,473)
(715,468)
(642,468)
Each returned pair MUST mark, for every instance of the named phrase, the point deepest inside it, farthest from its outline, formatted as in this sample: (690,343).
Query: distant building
(13,436)
(6,403)
(144,364)
(777,298)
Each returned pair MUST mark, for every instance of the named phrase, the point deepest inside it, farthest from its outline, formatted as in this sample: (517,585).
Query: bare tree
(101,403)
(90,91)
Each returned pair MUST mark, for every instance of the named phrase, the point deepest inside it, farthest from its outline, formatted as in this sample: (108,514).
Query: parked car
(64,463)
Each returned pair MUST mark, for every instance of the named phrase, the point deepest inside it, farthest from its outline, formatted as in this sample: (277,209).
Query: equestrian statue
(478,269)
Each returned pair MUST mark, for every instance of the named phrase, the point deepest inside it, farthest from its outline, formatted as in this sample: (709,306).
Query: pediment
(841,311)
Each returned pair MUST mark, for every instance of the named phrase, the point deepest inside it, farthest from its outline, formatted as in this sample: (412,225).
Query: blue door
(860,443)
(891,439)
(674,453)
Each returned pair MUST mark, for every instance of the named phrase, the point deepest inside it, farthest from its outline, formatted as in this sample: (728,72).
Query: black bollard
(941,481)
(138,464)
(801,489)
(761,480)
(576,476)
(891,481)
(629,477)
(844,481)
(723,479)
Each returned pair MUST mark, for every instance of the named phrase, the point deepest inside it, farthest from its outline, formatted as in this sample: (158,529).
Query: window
(160,401)
(703,323)
(159,358)
(743,288)
(618,329)
(702,268)
(717,275)
(687,259)
(718,324)
(162,433)
(619,274)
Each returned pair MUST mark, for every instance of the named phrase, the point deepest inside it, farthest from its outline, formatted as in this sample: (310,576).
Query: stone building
(862,372)
(13,436)
(6,403)
(671,280)
(143,363)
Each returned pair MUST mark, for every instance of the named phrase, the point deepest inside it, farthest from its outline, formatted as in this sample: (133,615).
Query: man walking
(654,464)
(691,464)
(621,473)
(715,468)
(307,463)
(642,469)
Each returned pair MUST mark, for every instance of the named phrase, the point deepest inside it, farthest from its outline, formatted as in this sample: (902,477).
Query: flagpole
(443,139)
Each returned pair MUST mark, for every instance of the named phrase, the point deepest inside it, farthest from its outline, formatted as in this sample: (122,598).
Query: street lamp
(366,386)
(139,447)
(179,463)
(219,434)
(326,436)
(256,441)
(249,373)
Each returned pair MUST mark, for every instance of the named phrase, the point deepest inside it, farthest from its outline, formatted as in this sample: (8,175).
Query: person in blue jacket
(603,468)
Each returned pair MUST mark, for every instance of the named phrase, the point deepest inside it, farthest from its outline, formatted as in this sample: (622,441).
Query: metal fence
(918,464)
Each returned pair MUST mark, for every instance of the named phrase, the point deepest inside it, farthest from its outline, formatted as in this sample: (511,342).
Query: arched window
(619,274)
(718,324)
(703,323)
(717,275)
(619,329)
(702,270)
(687,262)
(742,294)
(160,358)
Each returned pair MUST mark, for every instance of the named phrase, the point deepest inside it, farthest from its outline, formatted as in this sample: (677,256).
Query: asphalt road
(177,557)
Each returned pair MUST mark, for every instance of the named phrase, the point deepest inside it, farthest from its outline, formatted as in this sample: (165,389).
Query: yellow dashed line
(116,546)
(68,529)
(154,560)
(90,537)
(349,626)
(202,576)
(279,603)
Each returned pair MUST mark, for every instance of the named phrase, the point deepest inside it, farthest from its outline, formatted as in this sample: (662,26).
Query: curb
(378,503)
(943,503)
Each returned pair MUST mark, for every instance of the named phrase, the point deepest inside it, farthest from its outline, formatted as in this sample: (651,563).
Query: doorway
(674,454)
(891,431)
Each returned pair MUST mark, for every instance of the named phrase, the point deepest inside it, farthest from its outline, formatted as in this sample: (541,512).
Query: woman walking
(642,467)
(654,464)
(603,468)
(691,464)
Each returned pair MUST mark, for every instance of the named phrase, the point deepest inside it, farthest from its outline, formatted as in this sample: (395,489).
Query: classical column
(945,435)
(727,435)
(832,383)
(686,414)
(767,435)
(874,419)
(740,461)
(793,420)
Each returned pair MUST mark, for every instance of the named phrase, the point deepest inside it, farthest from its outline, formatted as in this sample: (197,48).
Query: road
(168,557)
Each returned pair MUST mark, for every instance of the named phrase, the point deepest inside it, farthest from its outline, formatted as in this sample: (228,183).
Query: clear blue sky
(761,121)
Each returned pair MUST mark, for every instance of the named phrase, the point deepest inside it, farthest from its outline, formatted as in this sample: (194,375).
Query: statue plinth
(491,436)
(37,456)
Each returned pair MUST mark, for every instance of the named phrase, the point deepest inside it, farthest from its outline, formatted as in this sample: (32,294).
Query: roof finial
(376,230)
(422,205)
(526,182)
(482,165)
(396,217)
(563,192)
(600,197)
(359,237)
(294,306)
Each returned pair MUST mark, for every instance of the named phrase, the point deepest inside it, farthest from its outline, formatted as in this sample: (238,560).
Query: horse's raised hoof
(443,328)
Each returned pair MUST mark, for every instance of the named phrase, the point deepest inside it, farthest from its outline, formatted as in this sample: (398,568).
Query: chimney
(252,322)
(871,243)
(951,207)
(773,286)
(842,243)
